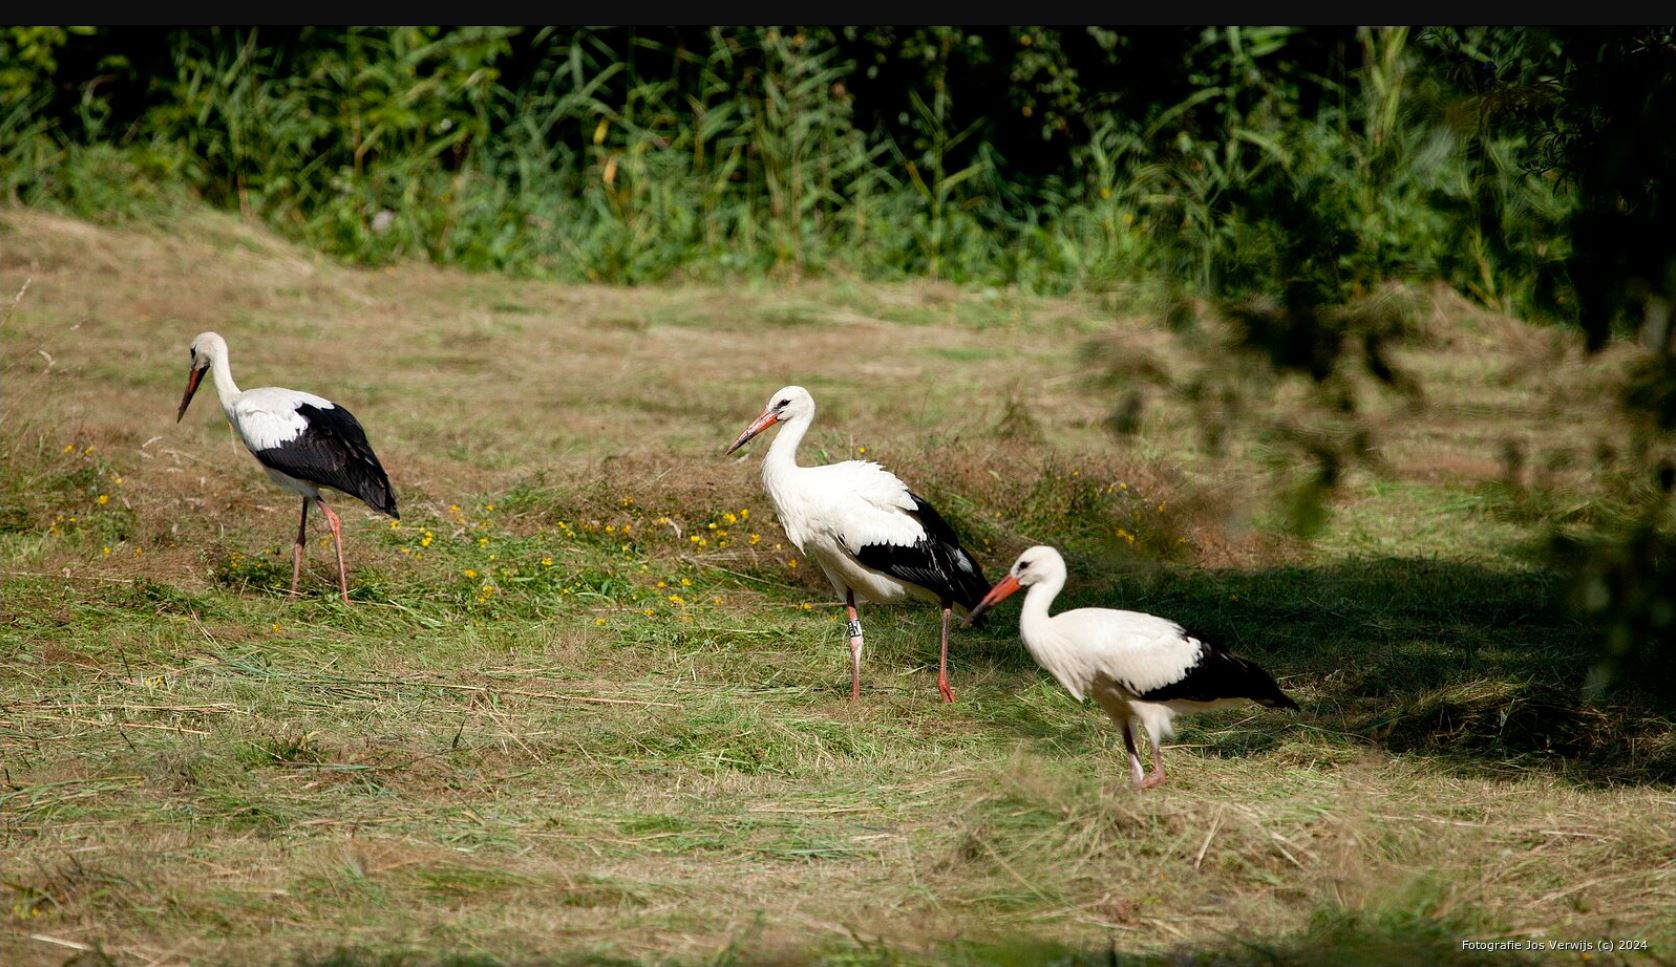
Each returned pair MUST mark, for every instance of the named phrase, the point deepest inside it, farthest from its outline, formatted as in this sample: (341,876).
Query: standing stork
(871,535)
(302,441)
(1139,667)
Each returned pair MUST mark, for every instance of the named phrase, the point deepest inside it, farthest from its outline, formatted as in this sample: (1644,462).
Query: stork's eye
(782,404)
(1023,565)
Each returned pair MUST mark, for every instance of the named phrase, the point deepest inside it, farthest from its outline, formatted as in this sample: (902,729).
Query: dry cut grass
(589,706)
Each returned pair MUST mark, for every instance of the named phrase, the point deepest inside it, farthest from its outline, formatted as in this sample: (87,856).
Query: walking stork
(872,536)
(302,441)
(1139,667)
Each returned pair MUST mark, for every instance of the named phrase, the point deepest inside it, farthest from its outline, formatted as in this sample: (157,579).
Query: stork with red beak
(873,537)
(1139,667)
(304,442)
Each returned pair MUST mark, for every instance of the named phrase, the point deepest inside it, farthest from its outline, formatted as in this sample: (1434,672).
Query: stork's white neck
(782,453)
(225,389)
(1033,616)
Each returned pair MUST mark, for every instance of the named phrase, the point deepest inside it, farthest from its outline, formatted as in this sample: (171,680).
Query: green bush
(1044,158)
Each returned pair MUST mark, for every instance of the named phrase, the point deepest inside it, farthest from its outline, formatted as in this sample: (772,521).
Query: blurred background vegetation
(1047,158)
(1260,188)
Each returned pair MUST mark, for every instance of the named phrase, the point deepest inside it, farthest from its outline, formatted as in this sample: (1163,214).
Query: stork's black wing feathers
(333,452)
(935,562)
(1218,674)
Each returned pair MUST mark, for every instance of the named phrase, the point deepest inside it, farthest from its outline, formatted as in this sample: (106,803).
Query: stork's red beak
(763,422)
(192,379)
(996,595)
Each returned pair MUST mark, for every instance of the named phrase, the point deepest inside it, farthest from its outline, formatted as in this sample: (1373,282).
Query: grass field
(588,705)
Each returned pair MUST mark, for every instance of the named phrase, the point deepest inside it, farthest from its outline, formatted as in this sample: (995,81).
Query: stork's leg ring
(855,646)
(297,549)
(943,660)
(337,543)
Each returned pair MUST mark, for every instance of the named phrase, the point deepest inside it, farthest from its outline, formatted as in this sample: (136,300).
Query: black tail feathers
(1261,686)
(375,490)
(1279,700)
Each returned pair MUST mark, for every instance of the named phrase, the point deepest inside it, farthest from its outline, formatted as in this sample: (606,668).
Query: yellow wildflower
(677,599)
(686,582)
(599,621)
(107,550)
(104,499)
(547,561)
(470,573)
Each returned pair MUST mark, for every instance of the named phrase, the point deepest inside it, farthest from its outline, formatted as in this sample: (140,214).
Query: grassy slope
(553,756)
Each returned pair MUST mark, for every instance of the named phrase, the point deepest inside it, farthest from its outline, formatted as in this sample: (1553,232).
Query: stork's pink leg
(1157,776)
(943,661)
(1134,753)
(297,550)
(337,542)
(855,646)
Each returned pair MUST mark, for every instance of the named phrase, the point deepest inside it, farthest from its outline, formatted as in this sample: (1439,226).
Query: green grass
(517,747)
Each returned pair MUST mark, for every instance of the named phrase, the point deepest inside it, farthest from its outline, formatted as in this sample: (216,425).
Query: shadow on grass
(1475,666)
(1339,939)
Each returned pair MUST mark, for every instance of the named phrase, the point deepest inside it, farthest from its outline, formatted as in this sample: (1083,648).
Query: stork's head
(206,349)
(786,404)
(1038,565)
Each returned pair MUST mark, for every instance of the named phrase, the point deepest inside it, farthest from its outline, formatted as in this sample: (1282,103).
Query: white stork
(304,442)
(1137,666)
(871,535)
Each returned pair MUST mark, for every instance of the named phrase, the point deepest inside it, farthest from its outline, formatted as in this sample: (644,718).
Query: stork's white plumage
(1139,667)
(872,536)
(303,441)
